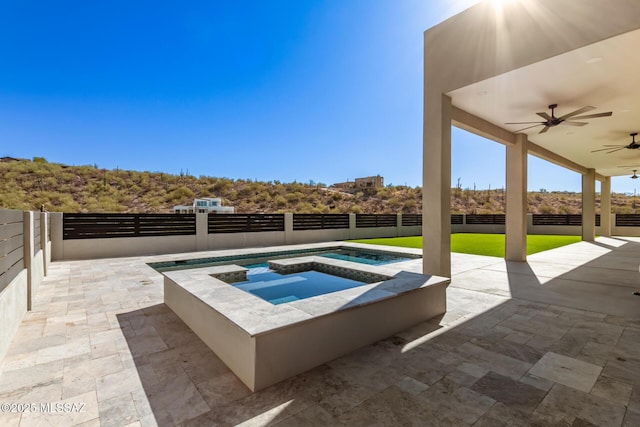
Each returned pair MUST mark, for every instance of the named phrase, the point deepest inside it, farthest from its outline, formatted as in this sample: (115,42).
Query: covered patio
(501,62)
(553,341)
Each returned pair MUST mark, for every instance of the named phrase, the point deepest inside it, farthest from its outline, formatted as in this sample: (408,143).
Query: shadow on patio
(488,361)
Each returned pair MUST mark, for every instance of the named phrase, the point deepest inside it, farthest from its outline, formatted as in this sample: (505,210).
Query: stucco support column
(605,206)
(436,185)
(589,206)
(516,195)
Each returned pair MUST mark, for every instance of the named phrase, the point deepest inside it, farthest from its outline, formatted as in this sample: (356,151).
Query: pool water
(365,257)
(279,288)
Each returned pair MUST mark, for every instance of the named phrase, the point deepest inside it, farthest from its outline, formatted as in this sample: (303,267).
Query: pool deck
(554,341)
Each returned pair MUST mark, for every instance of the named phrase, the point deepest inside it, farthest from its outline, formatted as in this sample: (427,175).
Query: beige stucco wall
(623,231)
(47,261)
(373,232)
(232,345)
(13,308)
(296,349)
(312,236)
(125,246)
(245,240)
(36,276)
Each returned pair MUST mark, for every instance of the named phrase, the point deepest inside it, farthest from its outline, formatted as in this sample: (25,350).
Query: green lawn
(480,244)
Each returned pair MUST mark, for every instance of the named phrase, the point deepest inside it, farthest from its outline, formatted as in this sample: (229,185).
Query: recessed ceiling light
(594,60)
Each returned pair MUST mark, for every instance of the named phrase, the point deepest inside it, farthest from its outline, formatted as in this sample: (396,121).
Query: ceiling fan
(613,148)
(568,119)
(635,175)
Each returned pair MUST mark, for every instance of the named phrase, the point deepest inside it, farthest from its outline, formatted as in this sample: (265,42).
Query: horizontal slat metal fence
(11,246)
(550,219)
(628,220)
(98,226)
(457,219)
(555,219)
(372,220)
(36,233)
(245,223)
(490,219)
(409,220)
(320,221)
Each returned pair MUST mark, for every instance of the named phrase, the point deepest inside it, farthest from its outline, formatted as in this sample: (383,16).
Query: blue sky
(271,90)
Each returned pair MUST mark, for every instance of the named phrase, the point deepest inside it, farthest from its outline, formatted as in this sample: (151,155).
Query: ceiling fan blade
(524,123)
(528,127)
(575,113)
(619,147)
(544,116)
(616,149)
(544,129)
(574,123)
(594,116)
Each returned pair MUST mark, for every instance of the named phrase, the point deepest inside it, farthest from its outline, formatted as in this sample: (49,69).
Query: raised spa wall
(264,343)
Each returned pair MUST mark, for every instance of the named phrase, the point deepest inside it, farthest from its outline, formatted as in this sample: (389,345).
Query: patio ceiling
(604,75)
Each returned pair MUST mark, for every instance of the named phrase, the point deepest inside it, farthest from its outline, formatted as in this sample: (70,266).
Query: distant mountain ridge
(29,184)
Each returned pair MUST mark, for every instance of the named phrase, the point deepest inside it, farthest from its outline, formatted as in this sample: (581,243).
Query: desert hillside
(26,184)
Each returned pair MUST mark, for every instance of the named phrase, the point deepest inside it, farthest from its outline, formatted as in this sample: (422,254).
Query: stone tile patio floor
(99,335)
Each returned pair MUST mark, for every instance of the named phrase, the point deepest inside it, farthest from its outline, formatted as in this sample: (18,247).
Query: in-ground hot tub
(264,343)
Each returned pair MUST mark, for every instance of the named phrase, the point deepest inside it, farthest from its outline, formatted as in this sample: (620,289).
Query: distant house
(204,205)
(368,182)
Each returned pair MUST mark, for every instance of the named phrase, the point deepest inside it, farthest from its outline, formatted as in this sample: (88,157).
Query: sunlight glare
(499,4)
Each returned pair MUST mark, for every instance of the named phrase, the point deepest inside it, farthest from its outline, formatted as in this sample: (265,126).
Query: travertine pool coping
(255,315)
(252,335)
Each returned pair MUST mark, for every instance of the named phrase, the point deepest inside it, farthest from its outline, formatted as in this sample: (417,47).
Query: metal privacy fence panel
(245,223)
(11,246)
(36,233)
(628,220)
(560,219)
(320,221)
(489,219)
(551,219)
(373,220)
(96,226)
(409,220)
(457,218)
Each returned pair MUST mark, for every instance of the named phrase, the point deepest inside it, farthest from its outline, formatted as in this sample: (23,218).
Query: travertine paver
(567,370)
(100,335)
